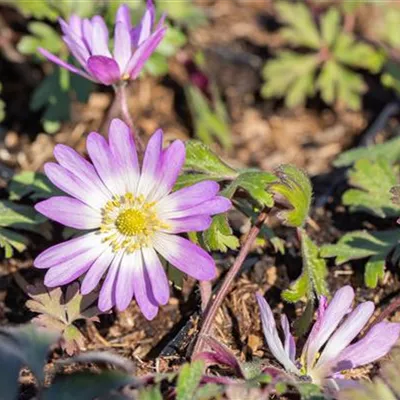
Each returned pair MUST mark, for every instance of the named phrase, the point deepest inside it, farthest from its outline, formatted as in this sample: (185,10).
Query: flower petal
(188,197)
(172,161)
(72,185)
(124,15)
(62,252)
(142,289)
(100,36)
(151,164)
(157,276)
(343,336)
(290,346)
(122,46)
(336,310)
(142,54)
(197,223)
(108,289)
(97,270)
(147,23)
(84,170)
(63,64)
(375,344)
(105,163)
(87,30)
(123,149)
(271,336)
(70,212)
(104,69)
(186,256)
(124,285)
(218,204)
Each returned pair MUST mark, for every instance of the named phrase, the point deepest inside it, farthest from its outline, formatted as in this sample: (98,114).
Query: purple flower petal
(290,346)
(63,64)
(218,204)
(124,285)
(78,48)
(157,276)
(106,165)
(376,344)
(336,310)
(146,24)
(71,269)
(84,170)
(151,164)
(104,69)
(197,223)
(122,46)
(87,29)
(142,54)
(188,197)
(65,251)
(100,36)
(123,149)
(75,24)
(171,164)
(124,15)
(271,336)
(72,185)
(185,256)
(70,212)
(142,289)
(349,329)
(97,270)
(107,291)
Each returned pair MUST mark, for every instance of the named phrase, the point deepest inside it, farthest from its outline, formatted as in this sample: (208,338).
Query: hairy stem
(214,305)
(390,309)
(122,99)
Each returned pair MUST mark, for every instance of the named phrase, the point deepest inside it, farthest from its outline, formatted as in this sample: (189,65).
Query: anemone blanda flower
(130,215)
(88,41)
(336,326)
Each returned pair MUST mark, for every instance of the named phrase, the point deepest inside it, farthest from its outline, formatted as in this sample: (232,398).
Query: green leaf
(10,240)
(183,11)
(199,158)
(389,150)
(313,277)
(373,181)
(35,185)
(362,244)
(39,9)
(151,393)
(190,179)
(87,385)
(188,380)
(20,217)
(330,26)
(301,29)
(219,236)
(291,76)
(295,186)
(209,391)
(174,39)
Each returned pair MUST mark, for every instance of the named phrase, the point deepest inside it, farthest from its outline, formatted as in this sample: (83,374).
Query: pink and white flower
(328,350)
(87,39)
(129,216)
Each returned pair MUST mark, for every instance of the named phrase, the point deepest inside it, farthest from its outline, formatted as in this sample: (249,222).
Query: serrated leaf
(10,240)
(389,150)
(330,26)
(200,158)
(35,185)
(219,235)
(295,186)
(301,29)
(373,181)
(313,277)
(188,380)
(87,385)
(290,75)
(20,217)
(362,244)
(190,179)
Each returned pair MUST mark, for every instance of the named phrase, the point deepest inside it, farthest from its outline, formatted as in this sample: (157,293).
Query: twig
(390,309)
(213,306)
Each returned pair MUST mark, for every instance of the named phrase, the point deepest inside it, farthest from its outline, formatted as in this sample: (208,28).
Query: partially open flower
(88,42)
(131,215)
(328,352)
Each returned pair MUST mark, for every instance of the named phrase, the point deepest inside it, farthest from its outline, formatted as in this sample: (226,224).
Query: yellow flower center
(129,222)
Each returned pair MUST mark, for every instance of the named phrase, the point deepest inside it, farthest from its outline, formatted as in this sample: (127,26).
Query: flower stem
(122,99)
(205,293)
(213,306)
(390,309)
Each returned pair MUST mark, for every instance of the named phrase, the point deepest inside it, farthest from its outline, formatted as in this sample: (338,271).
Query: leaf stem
(122,99)
(213,306)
